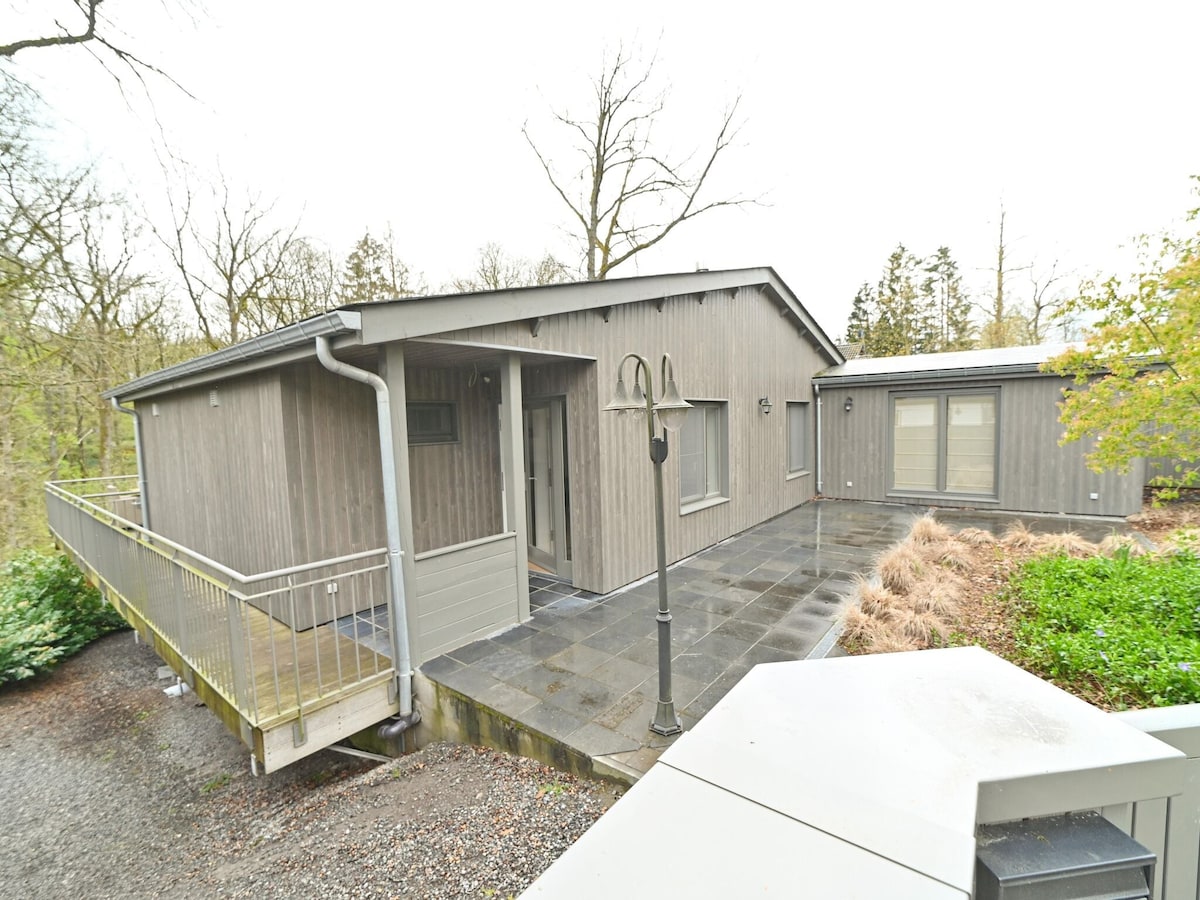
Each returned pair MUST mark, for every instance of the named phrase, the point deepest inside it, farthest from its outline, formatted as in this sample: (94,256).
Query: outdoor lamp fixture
(671,410)
(765,404)
(849,404)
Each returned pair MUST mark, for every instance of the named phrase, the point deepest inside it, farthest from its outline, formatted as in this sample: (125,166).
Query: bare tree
(84,23)
(496,270)
(630,195)
(1046,302)
(1006,325)
(228,272)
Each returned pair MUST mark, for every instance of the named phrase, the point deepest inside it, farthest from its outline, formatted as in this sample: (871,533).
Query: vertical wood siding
(456,487)
(727,345)
(1035,474)
(217,475)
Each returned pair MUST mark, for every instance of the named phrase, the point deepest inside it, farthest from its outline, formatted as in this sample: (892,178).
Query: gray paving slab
(584,669)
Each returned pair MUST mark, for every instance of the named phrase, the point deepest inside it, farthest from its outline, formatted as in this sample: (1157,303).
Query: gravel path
(112,789)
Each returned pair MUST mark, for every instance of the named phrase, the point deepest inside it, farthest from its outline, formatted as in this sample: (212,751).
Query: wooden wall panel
(216,475)
(334,483)
(464,595)
(726,345)
(1035,474)
(456,487)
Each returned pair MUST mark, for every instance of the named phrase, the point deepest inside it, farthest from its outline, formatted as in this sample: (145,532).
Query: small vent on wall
(213,399)
(154,409)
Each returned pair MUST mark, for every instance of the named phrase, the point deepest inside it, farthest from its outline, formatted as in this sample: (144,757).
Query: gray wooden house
(976,428)
(275,501)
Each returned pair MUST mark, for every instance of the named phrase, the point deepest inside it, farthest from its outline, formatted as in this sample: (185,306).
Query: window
(944,443)
(797,425)
(703,467)
(432,423)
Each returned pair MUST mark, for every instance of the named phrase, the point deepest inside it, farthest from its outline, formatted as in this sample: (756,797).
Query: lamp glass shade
(637,397)
(672,409)
(620,400)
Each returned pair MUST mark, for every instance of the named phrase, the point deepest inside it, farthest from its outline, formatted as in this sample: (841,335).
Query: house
(398,468)
(975,428)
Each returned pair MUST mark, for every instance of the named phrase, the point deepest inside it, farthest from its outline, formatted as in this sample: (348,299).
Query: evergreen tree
(374,273)
(858,329)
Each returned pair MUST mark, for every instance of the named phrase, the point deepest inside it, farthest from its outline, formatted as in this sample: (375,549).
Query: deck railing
(231,629)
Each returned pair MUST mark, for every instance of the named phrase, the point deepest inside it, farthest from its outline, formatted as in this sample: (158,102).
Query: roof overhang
(287,344)
(1024,370)
(421,318)
(417,317)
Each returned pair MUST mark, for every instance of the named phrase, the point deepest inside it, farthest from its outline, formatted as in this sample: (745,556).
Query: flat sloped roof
(415,317)
(958,364)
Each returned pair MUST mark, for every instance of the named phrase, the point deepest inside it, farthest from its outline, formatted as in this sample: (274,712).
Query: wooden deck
(325,661)
(344,685)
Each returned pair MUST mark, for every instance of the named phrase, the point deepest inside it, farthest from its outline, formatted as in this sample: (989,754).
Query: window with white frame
(945,443)
(797,426)
(703,455)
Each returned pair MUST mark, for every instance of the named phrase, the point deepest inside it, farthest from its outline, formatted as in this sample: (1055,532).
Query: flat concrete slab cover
(898,756)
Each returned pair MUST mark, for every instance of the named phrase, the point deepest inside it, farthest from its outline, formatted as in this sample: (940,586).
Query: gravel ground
(112,789)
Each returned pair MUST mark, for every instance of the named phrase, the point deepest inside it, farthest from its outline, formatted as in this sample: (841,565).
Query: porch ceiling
(447,354)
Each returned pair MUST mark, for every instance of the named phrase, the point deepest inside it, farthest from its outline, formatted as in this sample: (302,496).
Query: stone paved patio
(583,671)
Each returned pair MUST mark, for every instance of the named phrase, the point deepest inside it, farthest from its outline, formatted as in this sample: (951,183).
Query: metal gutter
(301,334)
(397,606)
(817,394)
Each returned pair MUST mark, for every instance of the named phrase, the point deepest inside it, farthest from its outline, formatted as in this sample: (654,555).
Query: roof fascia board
(285,345)
(988,372)
(819,338)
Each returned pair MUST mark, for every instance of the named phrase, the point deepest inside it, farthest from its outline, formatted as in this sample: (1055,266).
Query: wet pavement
(584,670)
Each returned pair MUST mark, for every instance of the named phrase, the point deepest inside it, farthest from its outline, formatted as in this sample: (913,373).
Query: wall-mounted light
(765,404)
(849,404)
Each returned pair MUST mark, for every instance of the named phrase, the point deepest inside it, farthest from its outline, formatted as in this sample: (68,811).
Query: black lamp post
(672,411)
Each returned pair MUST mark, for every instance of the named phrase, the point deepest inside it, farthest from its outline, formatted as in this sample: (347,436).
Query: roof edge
(338,321)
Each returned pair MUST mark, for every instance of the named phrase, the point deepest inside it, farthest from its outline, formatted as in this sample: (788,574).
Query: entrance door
(548,494)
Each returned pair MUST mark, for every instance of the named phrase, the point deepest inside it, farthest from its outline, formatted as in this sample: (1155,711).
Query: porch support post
(512,460)
(391,365)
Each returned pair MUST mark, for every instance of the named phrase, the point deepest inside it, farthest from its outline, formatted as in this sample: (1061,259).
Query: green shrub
(47,612)
(1129,626)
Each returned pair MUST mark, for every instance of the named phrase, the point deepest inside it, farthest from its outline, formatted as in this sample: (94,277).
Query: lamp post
(672,411)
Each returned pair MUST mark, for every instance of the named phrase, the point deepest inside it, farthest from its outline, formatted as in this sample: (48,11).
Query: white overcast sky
(866,124)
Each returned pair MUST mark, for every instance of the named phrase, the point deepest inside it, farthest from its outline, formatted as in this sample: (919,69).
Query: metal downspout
(820,481)
(143,497)
(398,613)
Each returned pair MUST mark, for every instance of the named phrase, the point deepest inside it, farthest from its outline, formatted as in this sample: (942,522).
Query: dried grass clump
(857,626)
(1115,543)
(1066,543)
(899,568)
(920,627)
(949,555)
(891,642)
(1019,537)
(876,601)
(928,530)
(937,596)
(976,537)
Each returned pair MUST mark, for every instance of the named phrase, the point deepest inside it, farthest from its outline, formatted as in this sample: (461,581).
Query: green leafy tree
(1138,375)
